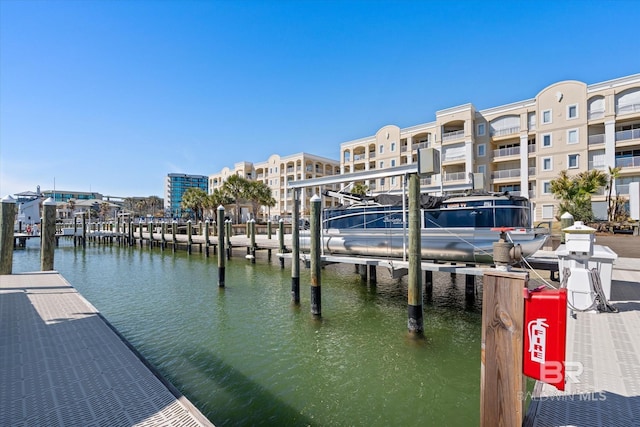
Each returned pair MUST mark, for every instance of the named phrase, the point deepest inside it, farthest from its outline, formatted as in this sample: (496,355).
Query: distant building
(276,172)
(64,196)
(519,147)
(175,186)
(29,207)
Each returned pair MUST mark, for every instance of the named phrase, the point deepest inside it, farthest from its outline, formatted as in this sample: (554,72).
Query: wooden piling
(295,249)
(221,242)
(470,285)
(228,238)
(174,239)
(269,229)
(189,237)
(316,278)
(373,275)
(206,238)
(414,294)
(48,234)
(281,240)
(252,232)
(84,230)
(163,238)
(502,384)
(7,218)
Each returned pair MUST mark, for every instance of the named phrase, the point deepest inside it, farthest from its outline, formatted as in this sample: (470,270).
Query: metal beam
(355,176)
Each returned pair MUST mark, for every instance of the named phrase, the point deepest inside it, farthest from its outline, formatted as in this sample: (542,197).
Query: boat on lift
(457,228)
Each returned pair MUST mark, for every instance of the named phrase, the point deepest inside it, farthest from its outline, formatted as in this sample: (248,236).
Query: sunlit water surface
(244,355)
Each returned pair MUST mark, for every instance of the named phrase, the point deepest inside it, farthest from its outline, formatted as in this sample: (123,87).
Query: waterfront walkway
(603,355)
(62,364)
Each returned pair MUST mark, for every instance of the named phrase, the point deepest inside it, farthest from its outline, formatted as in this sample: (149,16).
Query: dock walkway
(62,364)
(603,351)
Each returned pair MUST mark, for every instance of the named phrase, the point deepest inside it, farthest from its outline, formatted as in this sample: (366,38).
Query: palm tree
(236,187)
(614,173)
(154,202)
(259,194)
(215,199)
(105,207)
(575,192)
(194,199)
(359,188)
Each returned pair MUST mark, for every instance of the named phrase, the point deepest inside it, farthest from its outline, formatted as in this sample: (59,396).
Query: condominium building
(276,172)
(175,186)
(518,147)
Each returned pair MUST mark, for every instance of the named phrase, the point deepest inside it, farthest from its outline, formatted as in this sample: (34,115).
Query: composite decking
(62,364)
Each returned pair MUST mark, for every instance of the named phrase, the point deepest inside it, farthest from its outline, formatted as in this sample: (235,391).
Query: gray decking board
(61,364)
(607,345)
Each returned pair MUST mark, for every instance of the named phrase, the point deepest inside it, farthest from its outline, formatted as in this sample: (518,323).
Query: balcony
(595,114)
(455,176)
(506,131)
(628,162)
(623,135)
(448,136)
(628,108)
(596,139)
(426,181)
(531,148)
(622,189)
(506,173)
(532,171)
(597,164)
(505,152)
(358,157)
(419,145)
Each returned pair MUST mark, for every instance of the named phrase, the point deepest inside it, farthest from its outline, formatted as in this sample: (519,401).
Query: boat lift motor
(577,278)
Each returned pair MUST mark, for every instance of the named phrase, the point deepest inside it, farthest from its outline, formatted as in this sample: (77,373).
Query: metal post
(269,229)
(316,300)
(415,322)
(84,230)
(174,229)
(221,226)
(228,238)
(48,234)
(8,217)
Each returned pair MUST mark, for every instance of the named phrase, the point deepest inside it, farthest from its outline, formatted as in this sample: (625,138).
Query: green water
(244,355)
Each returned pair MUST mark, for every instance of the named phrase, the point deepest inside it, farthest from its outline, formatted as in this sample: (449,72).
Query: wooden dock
(62,364)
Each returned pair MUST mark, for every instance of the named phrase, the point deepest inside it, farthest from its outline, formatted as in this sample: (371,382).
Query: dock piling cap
(579,228)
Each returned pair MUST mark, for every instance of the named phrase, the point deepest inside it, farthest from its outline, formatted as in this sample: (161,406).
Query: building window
(482,169)
(393,147)
(381,182)
(482,150)
(481,129)
(546,187)
(572,161)
(546,140)
(546,116)
(547,164)
(381,165)
(381,149)
(547,211)
(393,180)
(393,163)
(572,136)
(572,111)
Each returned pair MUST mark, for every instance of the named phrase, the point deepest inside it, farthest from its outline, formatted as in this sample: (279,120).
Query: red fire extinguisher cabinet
(545,324)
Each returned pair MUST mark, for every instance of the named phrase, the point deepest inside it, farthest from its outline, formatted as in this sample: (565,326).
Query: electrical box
(545,336)
(428,161)
(579,240)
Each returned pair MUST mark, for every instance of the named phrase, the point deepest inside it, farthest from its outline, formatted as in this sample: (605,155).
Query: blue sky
(111,96)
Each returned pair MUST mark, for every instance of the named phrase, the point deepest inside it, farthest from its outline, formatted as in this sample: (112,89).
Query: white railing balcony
(623,135)
(447,136)
(628,108)
(455,176)
(426,181)
(372,154)
(506,173)
(532,126)
(452,157)
(531,148)
(357,157)
(505,131)
(290,169)
(259,176)
(596,139)
(504,152)
(404,149)
(532,171)
(597,164)
(423,144)
(595,114)
(628,162)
